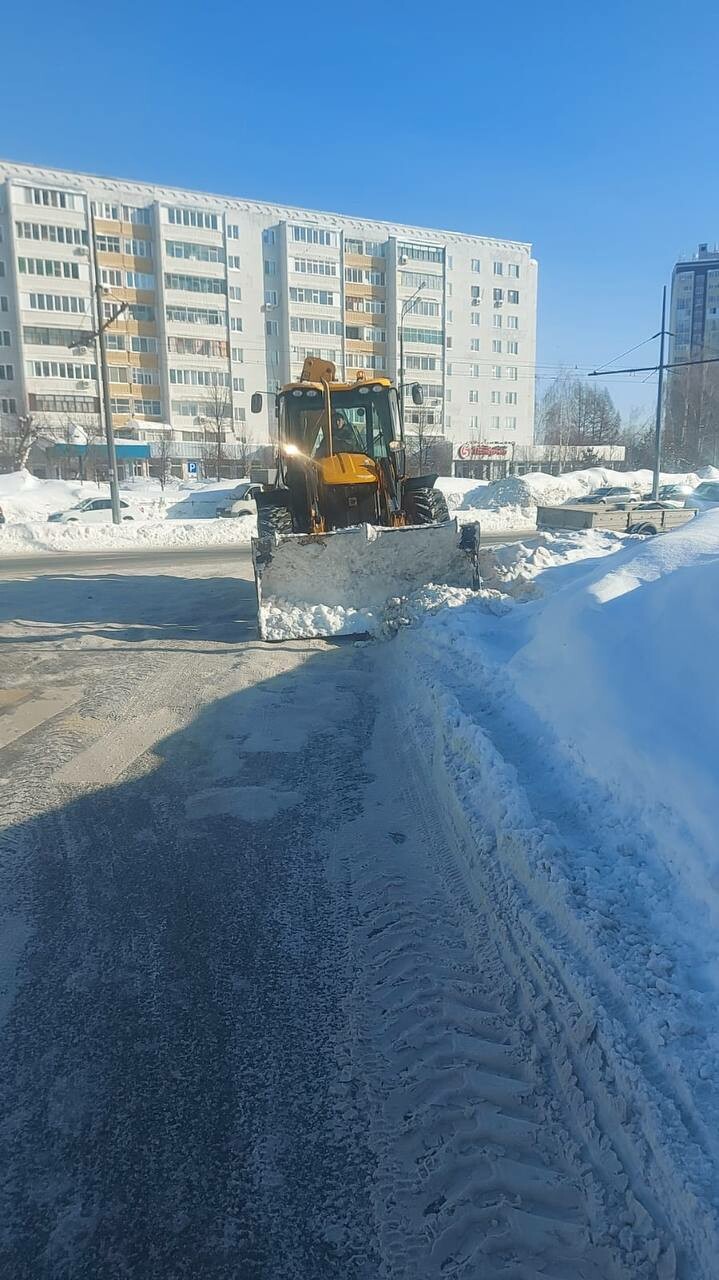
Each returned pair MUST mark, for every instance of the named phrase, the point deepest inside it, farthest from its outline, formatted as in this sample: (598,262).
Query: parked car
(241,503)
(672,495)
(93,511)
(610,493)
(704,497)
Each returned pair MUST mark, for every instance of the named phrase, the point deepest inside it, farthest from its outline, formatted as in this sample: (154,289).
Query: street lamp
(405,309)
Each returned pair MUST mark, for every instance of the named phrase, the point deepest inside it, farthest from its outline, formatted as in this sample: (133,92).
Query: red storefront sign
(466,452)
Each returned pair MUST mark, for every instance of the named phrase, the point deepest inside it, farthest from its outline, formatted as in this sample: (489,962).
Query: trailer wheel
(425,506)
(273,520)
(646,529)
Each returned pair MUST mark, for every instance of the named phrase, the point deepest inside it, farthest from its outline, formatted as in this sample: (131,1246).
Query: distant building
(478,461)
(694,310)
(232,294)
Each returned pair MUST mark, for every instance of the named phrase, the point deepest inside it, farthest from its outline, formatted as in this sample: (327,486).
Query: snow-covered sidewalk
(574,738)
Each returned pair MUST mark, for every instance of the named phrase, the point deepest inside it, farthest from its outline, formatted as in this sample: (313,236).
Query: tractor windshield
(364,420)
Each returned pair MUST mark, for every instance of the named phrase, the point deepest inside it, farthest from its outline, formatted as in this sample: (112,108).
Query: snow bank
(575,740)
(24,498)
(27,539)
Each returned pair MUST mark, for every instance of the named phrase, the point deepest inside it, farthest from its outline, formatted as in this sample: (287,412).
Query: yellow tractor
(344,527)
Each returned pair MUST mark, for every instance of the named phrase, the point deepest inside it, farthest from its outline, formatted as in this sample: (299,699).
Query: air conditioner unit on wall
(82,384)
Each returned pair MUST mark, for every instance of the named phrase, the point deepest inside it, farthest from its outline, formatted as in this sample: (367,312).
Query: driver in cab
(346,438)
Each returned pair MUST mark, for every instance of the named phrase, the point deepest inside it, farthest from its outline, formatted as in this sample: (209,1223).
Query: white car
(93,511)
(704,497)
(241,503)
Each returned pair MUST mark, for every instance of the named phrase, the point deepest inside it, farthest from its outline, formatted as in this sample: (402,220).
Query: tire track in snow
(476,1173)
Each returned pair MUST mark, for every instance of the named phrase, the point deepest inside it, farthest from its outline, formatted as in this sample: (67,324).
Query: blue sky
(585,129)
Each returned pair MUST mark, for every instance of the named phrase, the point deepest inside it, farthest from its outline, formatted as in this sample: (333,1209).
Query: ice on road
(258,1020)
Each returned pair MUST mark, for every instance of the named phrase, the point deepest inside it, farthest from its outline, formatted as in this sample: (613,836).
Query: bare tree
(19,433)
(691,415)
(573,411)
(422,440)
(215,418)
(162,457)
(245,449)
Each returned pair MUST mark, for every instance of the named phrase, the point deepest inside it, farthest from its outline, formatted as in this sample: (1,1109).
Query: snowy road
(256,1026)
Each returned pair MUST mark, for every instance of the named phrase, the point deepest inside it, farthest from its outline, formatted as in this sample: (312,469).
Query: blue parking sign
(192,468)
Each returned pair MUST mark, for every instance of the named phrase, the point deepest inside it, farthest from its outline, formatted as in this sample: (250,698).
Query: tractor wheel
(273,520)
(425,506)
(646,529)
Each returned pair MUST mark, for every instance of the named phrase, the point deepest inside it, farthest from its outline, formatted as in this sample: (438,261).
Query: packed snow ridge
(573,735)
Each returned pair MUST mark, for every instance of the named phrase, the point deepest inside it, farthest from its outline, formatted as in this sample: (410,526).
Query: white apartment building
(233,294)
(694,308)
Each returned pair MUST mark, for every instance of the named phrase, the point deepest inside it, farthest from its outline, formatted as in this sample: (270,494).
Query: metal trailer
(622,517)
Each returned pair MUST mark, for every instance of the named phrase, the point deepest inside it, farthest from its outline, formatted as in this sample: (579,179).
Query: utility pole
(658,369)
(406,307)
(660,405)
(102,354)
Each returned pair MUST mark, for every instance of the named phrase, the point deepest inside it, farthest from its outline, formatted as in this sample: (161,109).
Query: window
(235,293)
(422,362)
(118,373)
(144,377)
(474,344)
(354,246)
(476,264)
(498,295)
(196,315)
(513,296)
(146,408)
(7,373)
(512,372)
(52,199)
(270,297)
(415,279)
(138,248)
(498,268)
(146,346)
(375,248)
(4,337)
(54,235)
(374,277)
(496,370)
(199,378)
(315,266)
(475,318)
(513,269)
(307,324)
(192,218)
(141,311)
(510,424)
(110,212)
(238,384)
(234,261)
(476,294)
(238,355)
(139,280)
(497,322)
(424,307)
(270,267)
(494,422)
(42,337)
(314,235)
(233,231)
(115,341)
(321,297)
(268,235)
(108,244)
(271,328)
(142,217)
(510,397)
(8,404)
(512,348)
(64,404)
(474,397)
(423,335)
(497,344)
(46,267)
(194,252)
(238,414)
(512,321)
(236,324)
(196,409)
(108,275)
(59,369)
(195,284)
(475,371)
(361,360)
(194,346)
(496,397)
(55,302)
(420,252)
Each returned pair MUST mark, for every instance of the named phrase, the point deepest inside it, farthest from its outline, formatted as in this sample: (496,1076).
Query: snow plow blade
(339,583)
